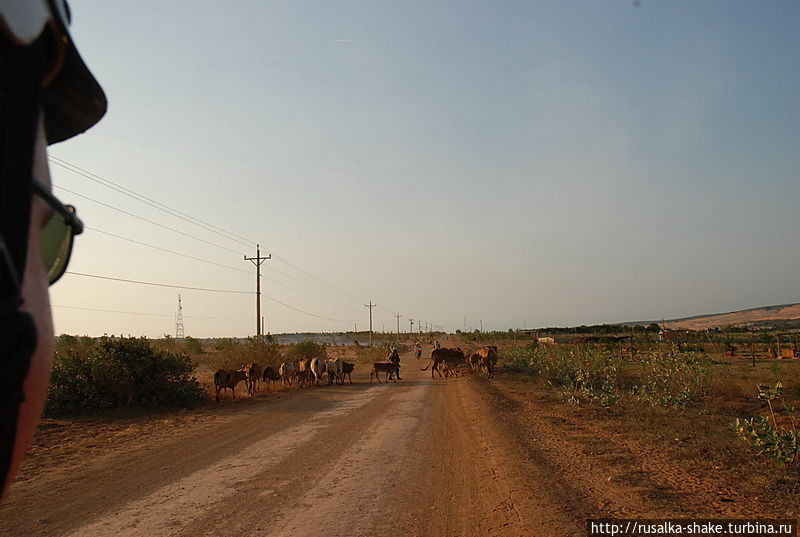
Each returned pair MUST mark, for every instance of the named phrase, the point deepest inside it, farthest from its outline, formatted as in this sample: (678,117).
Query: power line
(216,264)
(204,289)
(305,312)
(143,313)
(281,258)
(179,214)
(159,284)
(148,201)
(271,319)
(145,219)
(174,212)
(163,249)
(273,269)
(186,235)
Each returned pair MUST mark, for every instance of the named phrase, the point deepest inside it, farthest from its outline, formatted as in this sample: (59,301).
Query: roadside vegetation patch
(118,372)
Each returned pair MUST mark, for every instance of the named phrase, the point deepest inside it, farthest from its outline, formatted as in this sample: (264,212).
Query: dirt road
(418,457)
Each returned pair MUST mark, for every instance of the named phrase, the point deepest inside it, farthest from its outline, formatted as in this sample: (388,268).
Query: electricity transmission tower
(370,306)
(257,260)
(179,321)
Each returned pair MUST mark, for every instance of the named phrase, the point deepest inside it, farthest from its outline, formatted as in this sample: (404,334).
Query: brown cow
(347,369)
(453,357)
(303,377)
(253,372)
(487,359)
(270,375)
(474,361)
(304,364)
(228,378)
(385,367)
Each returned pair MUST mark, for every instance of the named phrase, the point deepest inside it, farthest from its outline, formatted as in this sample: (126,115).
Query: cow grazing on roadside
(383,367)
(253,372)
(288,372)
(304,364)
(334,370)
(487,359)
(347,369)
(303,378)
(317,369)
(270,375)
(228,378)
(452,358)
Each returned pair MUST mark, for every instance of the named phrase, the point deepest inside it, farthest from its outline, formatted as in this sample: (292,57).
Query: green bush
(192,346)
(673,380)
(307,349)
(588,374)
(593,378)
(768,438)
(236,354)
(120,373)
(598,374)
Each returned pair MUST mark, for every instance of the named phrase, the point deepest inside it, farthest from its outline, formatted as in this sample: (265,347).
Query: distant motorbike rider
(417,350)
(394,357)
(437,345)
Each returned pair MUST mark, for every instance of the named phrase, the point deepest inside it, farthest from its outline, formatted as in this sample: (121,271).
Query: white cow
(317,369)
(334,368)
(288,372)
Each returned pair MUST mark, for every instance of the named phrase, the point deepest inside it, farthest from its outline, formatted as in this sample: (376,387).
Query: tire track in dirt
(65,497)
(169,508)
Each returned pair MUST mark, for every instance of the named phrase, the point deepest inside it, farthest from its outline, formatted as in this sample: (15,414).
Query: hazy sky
(527,162)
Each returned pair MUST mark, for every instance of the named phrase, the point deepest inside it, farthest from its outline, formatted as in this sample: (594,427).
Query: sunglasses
(58,234)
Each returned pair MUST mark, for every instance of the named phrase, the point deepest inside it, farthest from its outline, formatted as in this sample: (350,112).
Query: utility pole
(481,325)
(397,316)
(370,306)
(411,326)
(257,260)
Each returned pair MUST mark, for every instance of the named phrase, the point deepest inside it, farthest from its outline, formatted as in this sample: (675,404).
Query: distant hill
(782,312)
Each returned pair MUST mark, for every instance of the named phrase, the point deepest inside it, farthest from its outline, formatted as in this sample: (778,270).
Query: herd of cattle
(311,371)
(306,372)
(447,362)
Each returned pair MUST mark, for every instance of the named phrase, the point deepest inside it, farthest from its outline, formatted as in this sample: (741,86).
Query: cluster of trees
(603,329)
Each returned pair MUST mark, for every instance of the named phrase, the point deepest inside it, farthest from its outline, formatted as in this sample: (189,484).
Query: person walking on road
(394,357)
(437,345)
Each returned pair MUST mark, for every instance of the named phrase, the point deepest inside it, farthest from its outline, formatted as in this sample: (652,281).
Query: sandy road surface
(418,457)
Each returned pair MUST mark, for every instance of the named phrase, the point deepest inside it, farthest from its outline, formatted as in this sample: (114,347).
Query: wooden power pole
(370,306)
(397,316)
(257,260)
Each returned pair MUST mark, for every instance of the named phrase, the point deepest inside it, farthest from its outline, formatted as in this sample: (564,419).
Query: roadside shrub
(523,359)
(118,373)
(307,349)
(235,355)
(594,380)
(580,375)
(192,346)
(674,380)
(767,437)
